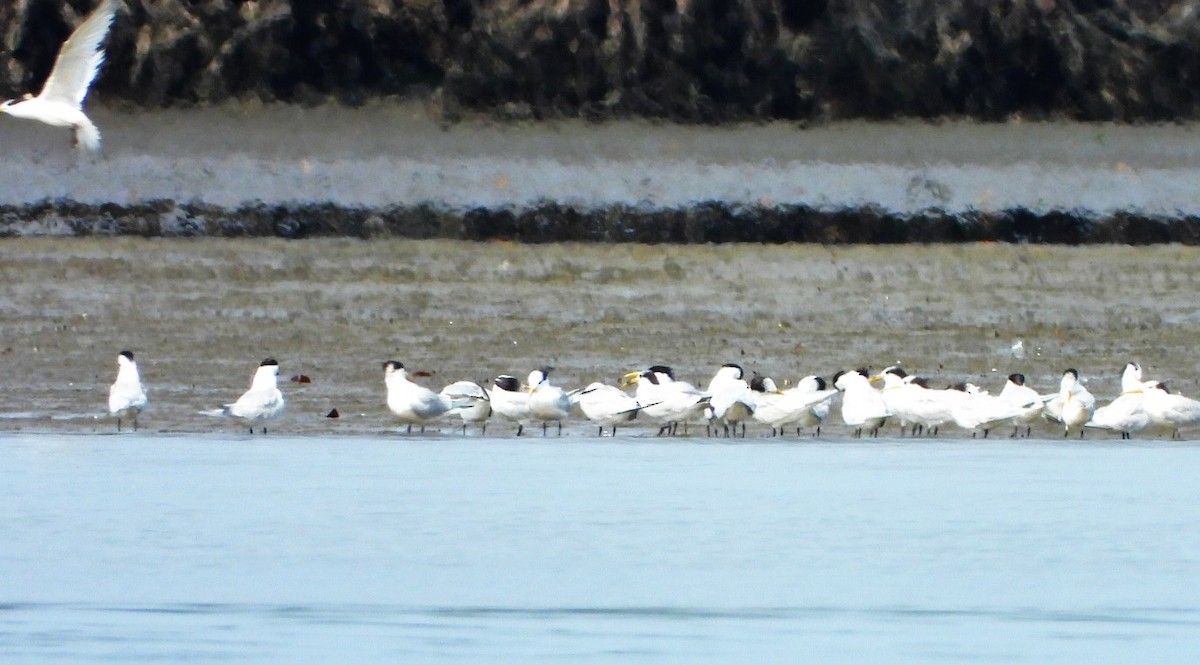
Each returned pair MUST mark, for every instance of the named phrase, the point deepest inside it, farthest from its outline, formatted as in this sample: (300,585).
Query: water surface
(307,549)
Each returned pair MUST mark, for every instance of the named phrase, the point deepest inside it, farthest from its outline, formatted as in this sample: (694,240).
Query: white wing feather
(80,58)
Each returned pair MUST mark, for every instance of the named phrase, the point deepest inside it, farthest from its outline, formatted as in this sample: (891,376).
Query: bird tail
(216,413)
(87,137)
(464,401)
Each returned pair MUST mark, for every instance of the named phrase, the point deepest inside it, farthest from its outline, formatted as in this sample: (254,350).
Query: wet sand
(201,313)
(395,154)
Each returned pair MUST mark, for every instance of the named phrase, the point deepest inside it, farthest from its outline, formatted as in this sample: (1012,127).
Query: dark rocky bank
(692,61)
(710,222)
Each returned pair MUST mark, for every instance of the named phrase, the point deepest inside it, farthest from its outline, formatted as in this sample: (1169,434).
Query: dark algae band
(709,222)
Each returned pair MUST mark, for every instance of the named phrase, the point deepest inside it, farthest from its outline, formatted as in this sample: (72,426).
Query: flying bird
(60,103)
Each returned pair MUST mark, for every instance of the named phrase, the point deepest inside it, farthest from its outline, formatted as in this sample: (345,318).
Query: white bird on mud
(863,407)
(1015,392)
(547,402)
(127,396)
(730,400)
(261,402)
(794,406)
(411,403)
(915,405)
(607,406)
(1054,406)
(472,402)
(665,400)
(1125,414)
(818,413)
(977,410)
(1074,410)
(511,401)
(60,103)
(1169,410)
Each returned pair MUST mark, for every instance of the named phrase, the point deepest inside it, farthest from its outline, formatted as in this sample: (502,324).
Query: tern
(261,402)
(1054,406)
(913,403)
(731,402)
(127,396)
(472,403)
(60,103)
(1125,414)
(413,404)
(665,400)
(977,410)
(795,406)
(510,401)
(1016,392)
(814,385)
(1169,409)
(607,406)
(547,402)
(863,407)
(1075,411)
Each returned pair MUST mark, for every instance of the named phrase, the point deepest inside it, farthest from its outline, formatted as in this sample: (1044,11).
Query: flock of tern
(730,402)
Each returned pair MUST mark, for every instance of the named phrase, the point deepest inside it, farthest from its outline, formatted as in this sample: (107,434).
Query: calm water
(160,548)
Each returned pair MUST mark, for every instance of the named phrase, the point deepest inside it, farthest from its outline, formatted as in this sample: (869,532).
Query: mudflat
(201,313)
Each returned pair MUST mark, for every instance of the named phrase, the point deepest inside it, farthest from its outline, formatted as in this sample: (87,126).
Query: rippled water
(303,549)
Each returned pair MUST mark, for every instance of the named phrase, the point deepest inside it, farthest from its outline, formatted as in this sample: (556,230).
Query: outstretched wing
(80,58)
